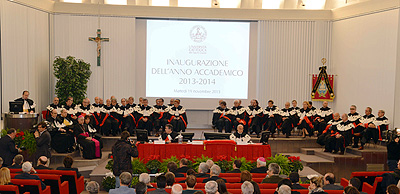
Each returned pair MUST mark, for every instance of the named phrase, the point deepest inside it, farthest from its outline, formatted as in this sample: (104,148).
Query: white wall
(116,75)
(25,54)
(364,51)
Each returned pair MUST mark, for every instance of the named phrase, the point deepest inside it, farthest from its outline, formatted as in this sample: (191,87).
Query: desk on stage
(20,121)
(213,148)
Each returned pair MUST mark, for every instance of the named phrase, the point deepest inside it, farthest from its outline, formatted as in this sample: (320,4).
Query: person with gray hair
(176,189)
(284,189)
(92,187)
(145,178)
(215,171)
(211,187)
(125,179)
(17,162)
(261,166)
(247,188)
(272,174)
(203,169)
(26,174)
(210,163)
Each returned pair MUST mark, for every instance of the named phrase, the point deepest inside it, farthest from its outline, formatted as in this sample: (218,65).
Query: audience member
(198,192)
(246,176)
(68,161)
(190,184)
(125,180)
(161,183)
(26,174)
(329,182)
(392,189)
(1,162)
(210,163)
(141,188)
(284,189)
(92,187)
(236,166)
(247,188)
(355,182)
(173,167)
(170,179)
(272,174)
(42,163)
(145,178)
(211,187)
(295,178)
(215,171)
(351,190)
(203,169)
(43,138)
(183,168)
(393,153)
(222,187)
(17,162)
(261,166)
(189,172)
(316,186)
(5,177)
(8,149)
(176,189)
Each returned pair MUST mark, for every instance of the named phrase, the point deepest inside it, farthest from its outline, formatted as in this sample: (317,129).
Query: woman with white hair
(211,187)
(247,188)
(145,178)
(92,187)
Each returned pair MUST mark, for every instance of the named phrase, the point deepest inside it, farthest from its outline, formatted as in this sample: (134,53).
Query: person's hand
(19,150)
(338,136)
(251,116)
(145,119)
(371,125)
(32,111)
(33,171)
(238,119)
(89,138)
(125,116)
(36,134)
(71,131)
(284,118)
(73,117)
(63,130)
(319,120)
(396,140)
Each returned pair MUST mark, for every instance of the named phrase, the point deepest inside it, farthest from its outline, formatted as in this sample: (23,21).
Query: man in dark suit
(203,168)
(17,162)
(161,183)
(43,138)
(215,171)
(8,149)
(43,163)
(29,105)
(236,166)
(172,167)
(26,174)
(68,161)
(183,168)
(294,177)
(329,182)
(273,174)
(261,166)
(355,182)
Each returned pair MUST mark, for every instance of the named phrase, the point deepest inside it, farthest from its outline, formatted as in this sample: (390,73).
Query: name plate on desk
(159,142)
(196,142)
(242,143)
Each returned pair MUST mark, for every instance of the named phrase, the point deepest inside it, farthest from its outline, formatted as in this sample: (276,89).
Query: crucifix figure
(98,40)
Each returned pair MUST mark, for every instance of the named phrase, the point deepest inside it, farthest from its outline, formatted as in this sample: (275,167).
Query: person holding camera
(43,138)
(393,153)
(122,151)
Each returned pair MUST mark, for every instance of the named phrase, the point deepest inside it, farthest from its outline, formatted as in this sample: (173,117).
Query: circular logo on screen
(198,33)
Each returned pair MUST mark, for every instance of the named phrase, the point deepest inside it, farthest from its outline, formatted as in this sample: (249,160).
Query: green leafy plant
(282,161)
(108,182)
(295,164)
(110,165)
(72,78)
(198,160)
(163,166)
(135,180)
(246,165)
(138,166)
(153,165)
(23,139)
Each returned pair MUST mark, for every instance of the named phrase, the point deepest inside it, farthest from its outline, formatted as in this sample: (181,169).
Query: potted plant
(246,165)
(153,166)
(295,164)
(108,181)
(163,166)
(138,167)
(282,161)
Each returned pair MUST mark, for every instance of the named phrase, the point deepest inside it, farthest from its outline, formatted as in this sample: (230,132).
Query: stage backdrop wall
(364,51)
(24,54)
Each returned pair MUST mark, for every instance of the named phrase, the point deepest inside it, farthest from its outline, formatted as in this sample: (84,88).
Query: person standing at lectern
(29,105)
(8,149)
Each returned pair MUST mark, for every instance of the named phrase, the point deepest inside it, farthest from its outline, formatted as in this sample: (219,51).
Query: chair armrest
(80,184)
(368,188)
(64,188)
(344,182)
(47,190)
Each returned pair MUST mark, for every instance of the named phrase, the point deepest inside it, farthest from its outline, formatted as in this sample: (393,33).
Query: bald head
(336,116)
(325,104)
(287,105)
(344,117)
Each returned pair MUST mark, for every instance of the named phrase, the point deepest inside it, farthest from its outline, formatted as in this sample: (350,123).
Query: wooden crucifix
(98,40)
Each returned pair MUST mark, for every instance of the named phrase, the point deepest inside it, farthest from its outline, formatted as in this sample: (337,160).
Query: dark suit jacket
(43,145)
(29,176)
(78,174)
(272,179)
(235,171)
(297,186)
(41,167)
(15,166)
(332,187)
(213,178)
(158,191)
(178,174)
(262,169)
(202,175)
(183,169)
(7,150)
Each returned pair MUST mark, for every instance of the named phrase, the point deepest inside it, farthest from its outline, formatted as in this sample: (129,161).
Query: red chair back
(9,189)
(32,186)
(44,114)
(334,191)
(344,182)
(258,180)
(12,170)
(76,185)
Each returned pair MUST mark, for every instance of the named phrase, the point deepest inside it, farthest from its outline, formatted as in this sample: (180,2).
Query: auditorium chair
(10,189)
(344,182)
(54,181)
(15,170)
(76,185)
(31,186)
(44,114)
(334,191)
(368,177)
(372,189)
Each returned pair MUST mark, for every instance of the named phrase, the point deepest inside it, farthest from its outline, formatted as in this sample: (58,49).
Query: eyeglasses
(352,109)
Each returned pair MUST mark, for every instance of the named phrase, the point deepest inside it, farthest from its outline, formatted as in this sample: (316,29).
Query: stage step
(369,148)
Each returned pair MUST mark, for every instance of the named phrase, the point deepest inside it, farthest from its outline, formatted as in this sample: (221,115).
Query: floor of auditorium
(314,159)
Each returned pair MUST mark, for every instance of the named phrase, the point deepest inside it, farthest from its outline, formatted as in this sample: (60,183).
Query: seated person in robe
(239,135)
(91,146)
(169,135)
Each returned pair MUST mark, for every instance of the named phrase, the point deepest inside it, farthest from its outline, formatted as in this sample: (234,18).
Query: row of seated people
(112,118)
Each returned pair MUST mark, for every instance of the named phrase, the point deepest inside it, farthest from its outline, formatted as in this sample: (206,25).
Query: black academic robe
(238,117)
(51,107)
(160,116)
(143,112)
(32,104)
(287,120)
(89,147)
(178,112)
(271,123)
(83,110)
(325,114)
(122,111)
(329,135)
(111,120)
(295,117)
(222,119)
(71,110)
(255,123)
(173,135)
(307,116)
(97,116)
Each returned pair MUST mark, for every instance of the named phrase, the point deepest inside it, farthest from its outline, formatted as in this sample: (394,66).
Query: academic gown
(306,123)
(362,128)
(254,123)
(143,112)
(97,116)
(222,119)
(53,106)
(131,120)
(325,114)
(375,134)
(71,111)
(160,117)
(344,129)
(240,137)
(271,123)
(111,120)
(329,135)
(238,117)
(173,135)
(287,120)
(178,112)
(122,111)
(30,102)
(91,148)
(61,141)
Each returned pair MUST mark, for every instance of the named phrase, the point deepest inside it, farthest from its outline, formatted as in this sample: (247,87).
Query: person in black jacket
(183,168)
(172,167)
(169,135)
(329,182)
(68,161)
(236,166)
(26,174)
(356,183)
(295,178)
(8,149)
(43,138)
(17,162)
(29,105)
(214,173)
(393,153)
(261,166)
(122,152)
(43,163)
